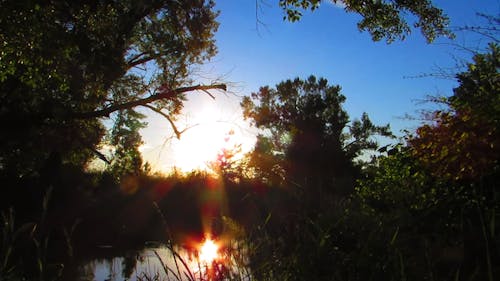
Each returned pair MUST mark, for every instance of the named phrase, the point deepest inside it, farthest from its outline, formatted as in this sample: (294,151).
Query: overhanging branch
(167,94)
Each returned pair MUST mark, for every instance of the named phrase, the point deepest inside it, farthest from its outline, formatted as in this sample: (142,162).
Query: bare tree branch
(166,94)
(208,93)
(134,58)
(174,127)
(139,61)
(176,131)
(101,156)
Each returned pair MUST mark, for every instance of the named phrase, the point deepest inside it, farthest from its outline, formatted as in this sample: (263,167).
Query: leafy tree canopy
(440,191)
(462,142)
(306,132)
(383,19)
(65,64)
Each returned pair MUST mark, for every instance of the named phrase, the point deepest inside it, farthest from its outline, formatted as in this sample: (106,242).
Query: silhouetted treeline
(425,209)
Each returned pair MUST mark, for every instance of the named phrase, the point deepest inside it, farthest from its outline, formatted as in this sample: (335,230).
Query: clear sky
(376,78)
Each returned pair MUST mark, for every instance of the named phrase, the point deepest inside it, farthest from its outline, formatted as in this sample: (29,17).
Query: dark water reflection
(132,266)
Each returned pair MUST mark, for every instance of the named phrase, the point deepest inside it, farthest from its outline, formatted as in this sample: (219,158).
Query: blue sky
(376,78)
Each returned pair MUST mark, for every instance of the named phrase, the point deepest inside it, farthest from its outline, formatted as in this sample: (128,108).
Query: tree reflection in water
(163,263)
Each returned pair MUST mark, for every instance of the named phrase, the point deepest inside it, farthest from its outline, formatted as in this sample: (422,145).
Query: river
(160,262)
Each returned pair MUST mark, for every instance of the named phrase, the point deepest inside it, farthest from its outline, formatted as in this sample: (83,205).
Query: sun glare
(208,251)
(205,127)
(200,144)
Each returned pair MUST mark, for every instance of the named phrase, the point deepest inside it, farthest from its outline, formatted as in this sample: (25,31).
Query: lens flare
(208,251)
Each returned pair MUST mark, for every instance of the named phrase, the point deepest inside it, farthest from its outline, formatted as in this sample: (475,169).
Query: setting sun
(206,137)
(208,251)
(207,127)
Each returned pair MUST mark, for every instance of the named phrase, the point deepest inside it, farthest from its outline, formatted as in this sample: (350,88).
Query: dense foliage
(383,19)
(425,211)
(307,136)
(65,64)
(66,69)
(464,141)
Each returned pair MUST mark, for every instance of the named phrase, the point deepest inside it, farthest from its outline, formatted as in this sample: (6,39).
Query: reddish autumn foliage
(464,141)
(457,145)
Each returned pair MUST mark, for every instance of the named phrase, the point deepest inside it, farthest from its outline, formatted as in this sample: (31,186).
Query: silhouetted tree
(464,140)
(125,139)
(425,211)
(307,135)
(65,65)
(438,194)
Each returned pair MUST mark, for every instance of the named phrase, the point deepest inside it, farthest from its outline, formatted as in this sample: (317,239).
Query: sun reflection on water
(208,251)
(210,259)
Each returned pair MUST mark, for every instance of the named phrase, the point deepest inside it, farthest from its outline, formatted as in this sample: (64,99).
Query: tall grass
(18,243)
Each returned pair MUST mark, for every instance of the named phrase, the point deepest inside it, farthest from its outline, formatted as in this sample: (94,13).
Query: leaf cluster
(383,19)
(462,142)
